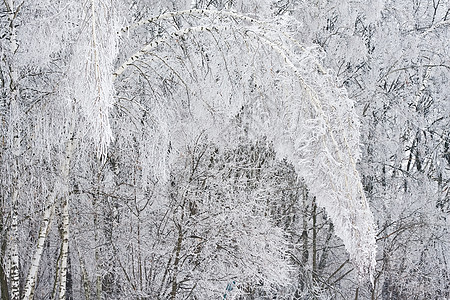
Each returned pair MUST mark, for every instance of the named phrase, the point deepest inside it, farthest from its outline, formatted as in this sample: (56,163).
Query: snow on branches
(211,67)
(91,66)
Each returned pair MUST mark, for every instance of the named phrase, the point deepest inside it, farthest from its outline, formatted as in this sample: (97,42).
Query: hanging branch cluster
(91,67)
(312,121)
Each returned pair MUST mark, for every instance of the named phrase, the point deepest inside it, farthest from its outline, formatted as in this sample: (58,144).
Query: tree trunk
(32,275)
(3,275)
(173,293)
(14,250)
(314,247)
(64,249)
(14,275)
(65,213)
(305,253)
(69,288)
(84,275)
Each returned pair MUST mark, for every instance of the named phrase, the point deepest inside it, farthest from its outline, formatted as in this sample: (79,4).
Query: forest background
(210,153)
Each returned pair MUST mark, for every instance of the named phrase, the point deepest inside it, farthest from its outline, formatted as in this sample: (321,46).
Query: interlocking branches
(316,122)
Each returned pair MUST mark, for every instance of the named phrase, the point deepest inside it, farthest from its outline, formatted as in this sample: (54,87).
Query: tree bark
(14,251)
(314,246)
(43,232)
(14,275)
(173,292)
(3,275)
(64,249)
(84,275)
(65,213)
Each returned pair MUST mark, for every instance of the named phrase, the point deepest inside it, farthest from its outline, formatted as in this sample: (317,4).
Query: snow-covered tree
(197,149)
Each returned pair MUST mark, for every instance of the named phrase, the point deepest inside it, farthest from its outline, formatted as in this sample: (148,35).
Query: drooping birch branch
(325,148)
(92,64)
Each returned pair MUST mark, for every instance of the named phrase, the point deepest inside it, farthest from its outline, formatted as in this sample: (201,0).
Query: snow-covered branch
(325,153)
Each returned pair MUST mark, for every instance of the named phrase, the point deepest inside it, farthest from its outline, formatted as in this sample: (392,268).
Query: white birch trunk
(43,232)
(14,251)
(11,17)
(98,280)
(14,275)
(64,249)
(65,214)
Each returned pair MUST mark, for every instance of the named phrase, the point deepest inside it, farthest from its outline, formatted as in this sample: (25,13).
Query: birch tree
(292,130)
(136,100)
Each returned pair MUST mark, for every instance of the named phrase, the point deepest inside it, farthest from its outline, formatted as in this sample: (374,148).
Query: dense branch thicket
(224,149)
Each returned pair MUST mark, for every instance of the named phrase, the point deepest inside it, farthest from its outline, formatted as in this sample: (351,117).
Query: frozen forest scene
(225,149)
